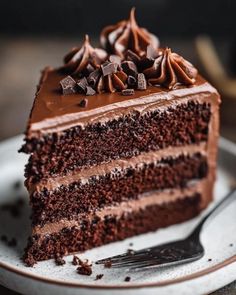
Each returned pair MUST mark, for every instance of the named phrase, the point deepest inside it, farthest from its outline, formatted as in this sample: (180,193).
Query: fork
(168,254)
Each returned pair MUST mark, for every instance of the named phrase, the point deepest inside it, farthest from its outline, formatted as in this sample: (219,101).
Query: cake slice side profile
(120,144)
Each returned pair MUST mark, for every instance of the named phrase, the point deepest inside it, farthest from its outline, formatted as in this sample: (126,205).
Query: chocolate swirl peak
(81,61)
(170,69)
(127,35)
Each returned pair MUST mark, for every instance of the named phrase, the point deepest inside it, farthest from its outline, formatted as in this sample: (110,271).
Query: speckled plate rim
(224,144)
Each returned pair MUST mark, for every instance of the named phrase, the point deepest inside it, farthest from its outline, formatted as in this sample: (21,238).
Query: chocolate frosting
(125,35)
(84,60)
(170,69)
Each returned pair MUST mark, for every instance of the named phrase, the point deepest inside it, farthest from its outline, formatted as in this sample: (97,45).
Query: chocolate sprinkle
(209,259)
(68,85)
(108,68)
(127,279)
(142,83)
(127,92)
(83,103)
(90,90)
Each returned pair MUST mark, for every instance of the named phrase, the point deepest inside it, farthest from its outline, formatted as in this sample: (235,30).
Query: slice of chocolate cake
(122,141)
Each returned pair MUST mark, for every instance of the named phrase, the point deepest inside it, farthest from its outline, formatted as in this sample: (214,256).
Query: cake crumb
(98,277)
(108,264)
(85,268)
(127,279)
(59,261)
(76,260)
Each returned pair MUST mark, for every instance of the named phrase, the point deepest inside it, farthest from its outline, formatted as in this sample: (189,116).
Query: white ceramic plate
(202,276)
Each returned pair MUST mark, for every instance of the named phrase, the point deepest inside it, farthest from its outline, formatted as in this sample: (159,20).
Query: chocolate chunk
(82,83)
(12,242)
(142,83)
(108,68)
(127,279)
(115,59)
(129,68)
(89,90)
(151,52)
(59,261)
(98,277)
(83,103)
(93,77)
(127,92)
(131,81)
(68,85)
(108,264)
(131,56)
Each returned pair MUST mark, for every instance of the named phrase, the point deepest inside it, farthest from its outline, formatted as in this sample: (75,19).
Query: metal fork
(173,253)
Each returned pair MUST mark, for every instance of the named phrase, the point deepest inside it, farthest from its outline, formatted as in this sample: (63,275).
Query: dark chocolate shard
(129,68)
(83,103)
(68,85)
(82,83)
(151,52)
(89,90)
(131,81)
(142,82)
(127,92)
(108,68)
(94,77)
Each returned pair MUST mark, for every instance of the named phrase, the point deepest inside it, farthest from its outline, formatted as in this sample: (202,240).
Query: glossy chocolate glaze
(53,112)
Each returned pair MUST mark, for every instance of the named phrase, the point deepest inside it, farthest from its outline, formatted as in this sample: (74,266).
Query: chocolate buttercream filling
(118,166)
(147,199)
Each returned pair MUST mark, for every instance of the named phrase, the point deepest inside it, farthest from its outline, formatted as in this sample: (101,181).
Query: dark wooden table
(21,60)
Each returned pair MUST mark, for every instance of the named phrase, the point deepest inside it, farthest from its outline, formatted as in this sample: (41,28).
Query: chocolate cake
(122,141)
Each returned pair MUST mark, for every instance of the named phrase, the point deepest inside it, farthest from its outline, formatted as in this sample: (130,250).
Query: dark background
(167,18)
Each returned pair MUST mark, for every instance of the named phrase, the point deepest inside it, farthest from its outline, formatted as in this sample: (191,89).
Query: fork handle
(218,208)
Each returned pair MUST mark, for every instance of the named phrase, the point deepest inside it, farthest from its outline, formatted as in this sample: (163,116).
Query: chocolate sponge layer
(93,232)
(128,136)
(97,192)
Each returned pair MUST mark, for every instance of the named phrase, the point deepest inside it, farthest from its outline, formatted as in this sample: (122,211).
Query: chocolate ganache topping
(170,70)
(117,39)
(82,61)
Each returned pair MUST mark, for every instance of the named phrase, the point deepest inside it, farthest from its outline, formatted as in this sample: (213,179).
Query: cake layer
(113,224)
(117,185)
(185,123)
